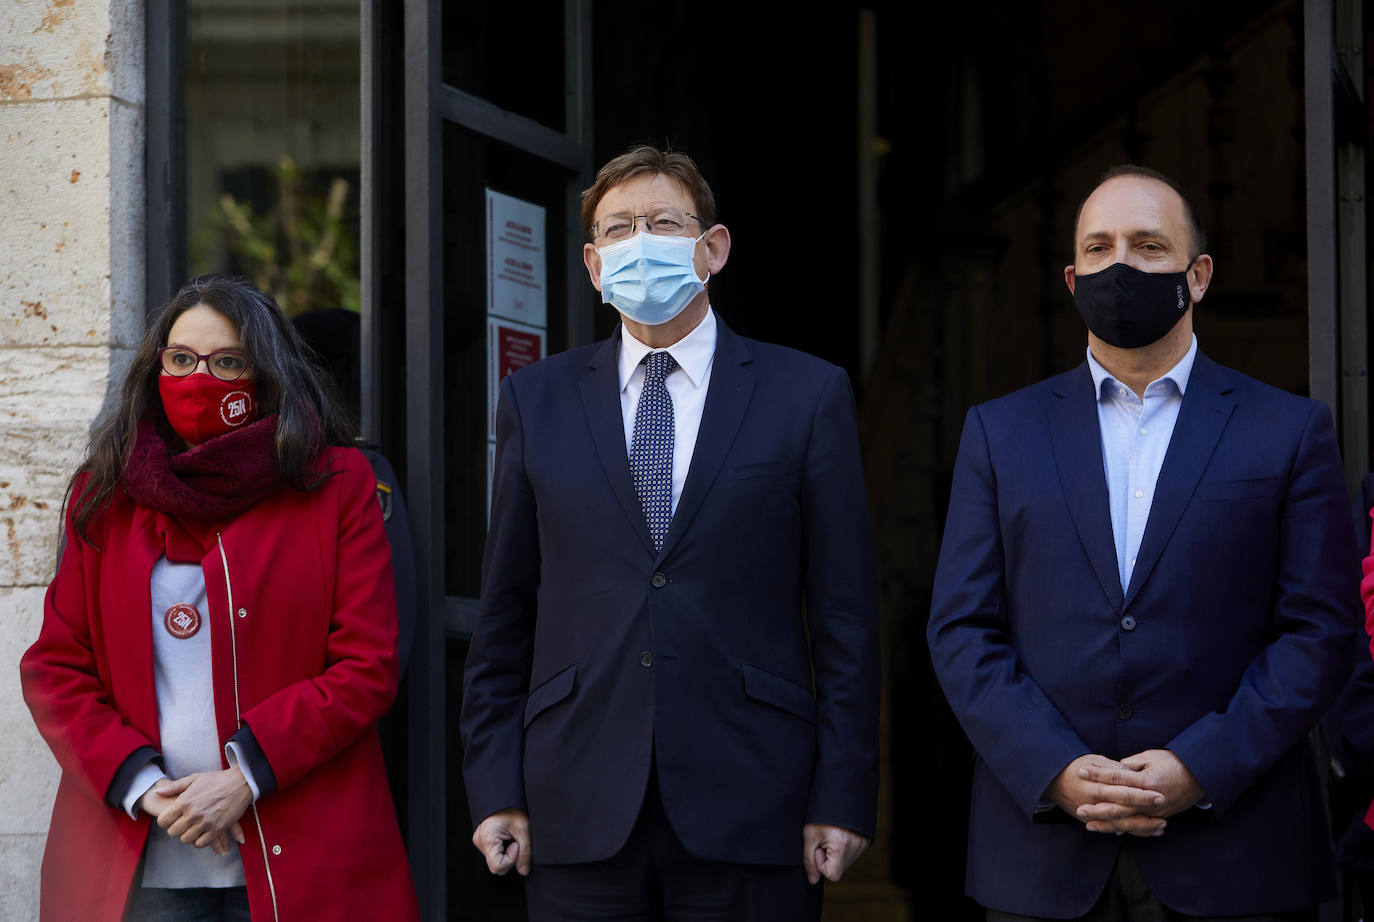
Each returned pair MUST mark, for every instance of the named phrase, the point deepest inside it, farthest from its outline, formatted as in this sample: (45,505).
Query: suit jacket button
(1124,712)
(1128,623)
(659,580)
(646,659)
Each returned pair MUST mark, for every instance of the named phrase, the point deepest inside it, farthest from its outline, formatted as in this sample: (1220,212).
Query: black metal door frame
(164,151)
(1337,116)
(429,104)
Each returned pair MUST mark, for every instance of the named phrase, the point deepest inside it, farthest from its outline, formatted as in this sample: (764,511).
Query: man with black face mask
(1143,604)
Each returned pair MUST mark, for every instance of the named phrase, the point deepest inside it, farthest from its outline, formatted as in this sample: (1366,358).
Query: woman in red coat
(219,642)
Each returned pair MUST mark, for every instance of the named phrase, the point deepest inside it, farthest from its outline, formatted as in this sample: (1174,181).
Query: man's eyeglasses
(227,364)
(666,222)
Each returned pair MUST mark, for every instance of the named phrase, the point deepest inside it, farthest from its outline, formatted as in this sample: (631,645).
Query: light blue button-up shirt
(1135,437)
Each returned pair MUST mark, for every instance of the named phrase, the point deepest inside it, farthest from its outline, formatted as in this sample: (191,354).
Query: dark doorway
(931,155)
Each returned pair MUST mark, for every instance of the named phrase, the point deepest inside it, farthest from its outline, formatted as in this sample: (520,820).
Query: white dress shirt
(686,384)
(1135,438)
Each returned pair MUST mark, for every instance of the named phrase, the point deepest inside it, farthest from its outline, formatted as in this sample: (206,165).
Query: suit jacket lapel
(601,401)
(1206,408)
(1078,455)
(727,397)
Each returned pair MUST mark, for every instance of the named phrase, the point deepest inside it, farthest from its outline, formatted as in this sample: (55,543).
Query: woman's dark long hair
(289,383)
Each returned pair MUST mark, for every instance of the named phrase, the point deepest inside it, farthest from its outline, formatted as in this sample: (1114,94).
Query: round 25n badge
(182,621)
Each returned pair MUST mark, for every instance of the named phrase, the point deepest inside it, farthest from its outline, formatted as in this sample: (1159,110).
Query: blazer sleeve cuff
(1192,748)
(1030,788)
(149,775)
(129,770)
(243,749)
(847,803)
(483,803)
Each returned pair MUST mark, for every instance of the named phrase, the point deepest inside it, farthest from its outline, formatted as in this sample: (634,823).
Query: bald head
(1137,220)
(1196,239)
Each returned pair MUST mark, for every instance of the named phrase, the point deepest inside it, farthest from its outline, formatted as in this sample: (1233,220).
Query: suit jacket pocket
(771,688)
(760,469)
(550,692)
(1229,491)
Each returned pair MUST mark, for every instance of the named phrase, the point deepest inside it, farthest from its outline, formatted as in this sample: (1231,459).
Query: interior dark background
(992,121)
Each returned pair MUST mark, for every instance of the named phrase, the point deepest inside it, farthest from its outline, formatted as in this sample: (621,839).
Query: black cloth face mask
(1128,308)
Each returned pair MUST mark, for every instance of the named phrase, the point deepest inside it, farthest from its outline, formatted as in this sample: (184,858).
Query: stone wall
(71,312)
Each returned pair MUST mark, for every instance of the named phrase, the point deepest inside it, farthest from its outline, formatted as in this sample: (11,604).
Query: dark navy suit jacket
(591,650)
(1231,640)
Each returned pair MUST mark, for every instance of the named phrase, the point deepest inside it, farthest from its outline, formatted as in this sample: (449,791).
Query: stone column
(71,313)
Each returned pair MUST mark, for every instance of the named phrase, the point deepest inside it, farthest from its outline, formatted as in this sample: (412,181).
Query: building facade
(901,204)
(72,120)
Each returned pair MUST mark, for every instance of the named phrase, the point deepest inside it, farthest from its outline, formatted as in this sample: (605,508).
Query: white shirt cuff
(147,776)
(234,754)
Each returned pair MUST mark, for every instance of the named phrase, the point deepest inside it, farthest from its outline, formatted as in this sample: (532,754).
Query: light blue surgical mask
(650,278)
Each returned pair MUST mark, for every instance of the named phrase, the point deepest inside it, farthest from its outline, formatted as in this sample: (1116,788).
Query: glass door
(496,149)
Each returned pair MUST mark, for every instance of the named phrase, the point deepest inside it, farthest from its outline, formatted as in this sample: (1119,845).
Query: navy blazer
(591,651)
(1231,640)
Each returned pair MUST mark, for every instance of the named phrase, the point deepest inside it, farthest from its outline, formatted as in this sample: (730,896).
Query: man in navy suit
(1144,602)
(671,698)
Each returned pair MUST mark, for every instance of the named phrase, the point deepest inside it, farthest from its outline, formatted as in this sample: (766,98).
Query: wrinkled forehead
(1129,204)
(640,193)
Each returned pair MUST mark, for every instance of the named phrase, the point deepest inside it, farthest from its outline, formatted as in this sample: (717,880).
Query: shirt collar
(693,353)
(1179,374)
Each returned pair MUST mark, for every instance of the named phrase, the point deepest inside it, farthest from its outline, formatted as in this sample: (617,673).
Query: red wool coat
(306,580)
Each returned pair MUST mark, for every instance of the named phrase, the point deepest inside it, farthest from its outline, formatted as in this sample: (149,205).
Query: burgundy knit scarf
(216,480)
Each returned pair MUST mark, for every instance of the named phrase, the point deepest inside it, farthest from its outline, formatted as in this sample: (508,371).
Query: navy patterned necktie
(651,446)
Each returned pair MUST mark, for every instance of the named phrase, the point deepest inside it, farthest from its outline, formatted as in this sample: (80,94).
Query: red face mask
(201,406)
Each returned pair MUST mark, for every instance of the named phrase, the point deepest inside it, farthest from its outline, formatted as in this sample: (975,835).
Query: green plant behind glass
(300,251)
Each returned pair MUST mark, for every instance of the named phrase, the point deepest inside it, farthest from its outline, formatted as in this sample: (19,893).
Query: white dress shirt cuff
(147,776)
(234,753)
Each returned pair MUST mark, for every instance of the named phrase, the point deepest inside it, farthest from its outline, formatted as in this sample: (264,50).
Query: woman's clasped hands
(201,809)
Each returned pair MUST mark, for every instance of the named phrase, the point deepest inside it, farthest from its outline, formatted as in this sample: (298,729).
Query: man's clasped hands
(201,809)
(1131,796)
